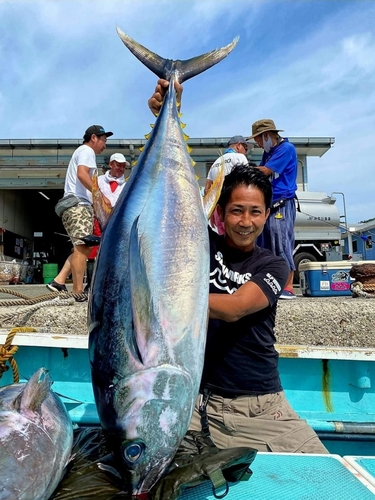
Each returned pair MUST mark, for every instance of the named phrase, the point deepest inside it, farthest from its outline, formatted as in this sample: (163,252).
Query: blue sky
(308,64)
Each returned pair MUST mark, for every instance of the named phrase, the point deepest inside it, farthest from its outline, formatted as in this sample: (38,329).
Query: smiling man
(241,388)
(242,402)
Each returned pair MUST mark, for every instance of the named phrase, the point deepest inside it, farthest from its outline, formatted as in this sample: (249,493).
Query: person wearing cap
(234,155)
(113,181)
(279,163)
(78,219)
(111,185)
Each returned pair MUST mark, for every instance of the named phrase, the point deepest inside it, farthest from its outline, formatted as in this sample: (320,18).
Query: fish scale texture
(291,477)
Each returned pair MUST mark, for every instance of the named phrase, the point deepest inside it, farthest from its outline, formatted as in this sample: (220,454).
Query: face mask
(267,144)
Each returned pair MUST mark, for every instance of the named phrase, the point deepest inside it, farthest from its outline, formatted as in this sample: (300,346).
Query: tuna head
(152,411)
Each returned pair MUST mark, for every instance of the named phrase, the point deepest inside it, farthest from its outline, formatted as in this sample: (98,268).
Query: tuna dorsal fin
(163,68)
(34,393)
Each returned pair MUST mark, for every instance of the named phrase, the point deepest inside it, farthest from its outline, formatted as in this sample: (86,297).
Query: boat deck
(293,476)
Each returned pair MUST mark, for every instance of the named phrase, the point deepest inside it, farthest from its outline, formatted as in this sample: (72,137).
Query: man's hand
(156,100)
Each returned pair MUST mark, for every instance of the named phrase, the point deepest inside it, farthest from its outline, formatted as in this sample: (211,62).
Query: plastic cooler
(327,279)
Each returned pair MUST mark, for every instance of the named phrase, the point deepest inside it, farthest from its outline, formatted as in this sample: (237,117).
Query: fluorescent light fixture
(44,195)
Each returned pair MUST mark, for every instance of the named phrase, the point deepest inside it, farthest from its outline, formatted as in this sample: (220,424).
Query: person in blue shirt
(279,163)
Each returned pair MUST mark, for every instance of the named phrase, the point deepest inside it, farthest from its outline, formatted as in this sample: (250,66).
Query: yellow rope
(7,351)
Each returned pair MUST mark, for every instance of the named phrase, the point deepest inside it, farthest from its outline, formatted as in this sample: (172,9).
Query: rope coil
(7,352)
(359,289)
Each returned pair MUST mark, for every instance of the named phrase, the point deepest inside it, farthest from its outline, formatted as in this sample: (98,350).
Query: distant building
(362,236)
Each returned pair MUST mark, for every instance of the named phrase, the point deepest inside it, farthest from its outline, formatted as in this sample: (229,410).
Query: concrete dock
(328,321)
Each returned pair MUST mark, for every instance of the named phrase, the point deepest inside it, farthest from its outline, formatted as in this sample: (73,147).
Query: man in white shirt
(234,155)
(78,219)
(113,181)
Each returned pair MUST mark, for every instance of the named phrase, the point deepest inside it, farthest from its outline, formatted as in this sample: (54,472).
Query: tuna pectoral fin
(34,393)
(142,308)
(211,198)
(163,68)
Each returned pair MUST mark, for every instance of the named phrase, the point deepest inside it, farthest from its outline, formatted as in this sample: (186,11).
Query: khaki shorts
(266,423)
(78,222)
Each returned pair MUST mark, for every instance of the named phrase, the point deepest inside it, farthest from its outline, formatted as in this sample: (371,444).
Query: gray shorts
(266,423)
(78,221)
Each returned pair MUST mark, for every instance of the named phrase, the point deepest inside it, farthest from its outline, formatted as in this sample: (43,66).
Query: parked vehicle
(317,229)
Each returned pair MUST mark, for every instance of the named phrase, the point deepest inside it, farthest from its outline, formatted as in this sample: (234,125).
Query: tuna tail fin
(34,393)
(163,68)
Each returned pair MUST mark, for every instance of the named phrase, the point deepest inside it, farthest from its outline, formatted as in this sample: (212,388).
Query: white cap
(120,158)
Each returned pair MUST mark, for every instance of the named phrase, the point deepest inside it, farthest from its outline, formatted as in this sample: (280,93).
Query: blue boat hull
(332,388)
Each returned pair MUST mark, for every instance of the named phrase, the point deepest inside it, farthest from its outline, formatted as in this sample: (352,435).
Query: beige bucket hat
(263,125)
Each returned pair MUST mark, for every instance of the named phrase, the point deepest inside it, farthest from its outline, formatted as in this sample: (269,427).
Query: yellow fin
(152,125)
(179,114)
(197,177)
(186,137)
(211,198)
(182,125)
(134,163)
(192,162)
(189,148)
(141,148)
(147,136)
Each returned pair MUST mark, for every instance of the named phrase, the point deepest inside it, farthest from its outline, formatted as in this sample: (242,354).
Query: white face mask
(267,144)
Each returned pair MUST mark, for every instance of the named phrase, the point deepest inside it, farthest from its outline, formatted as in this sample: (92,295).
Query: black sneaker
(53,286)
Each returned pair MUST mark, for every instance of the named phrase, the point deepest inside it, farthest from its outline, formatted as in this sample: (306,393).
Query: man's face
(242,148)
(117,168)
(244,217)
(259,139)
(98,143)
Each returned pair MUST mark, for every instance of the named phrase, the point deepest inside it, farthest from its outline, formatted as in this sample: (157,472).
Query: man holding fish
(241,392)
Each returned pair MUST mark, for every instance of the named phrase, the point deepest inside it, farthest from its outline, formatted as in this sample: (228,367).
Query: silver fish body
(36,437)
(148,310)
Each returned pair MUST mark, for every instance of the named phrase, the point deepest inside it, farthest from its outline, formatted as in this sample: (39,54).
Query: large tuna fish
(36,437)
(148,310)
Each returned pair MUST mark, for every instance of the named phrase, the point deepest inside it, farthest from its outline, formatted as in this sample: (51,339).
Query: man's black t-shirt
(240,356)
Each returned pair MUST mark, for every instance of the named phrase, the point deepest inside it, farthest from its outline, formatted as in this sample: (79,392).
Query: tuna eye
(133,452)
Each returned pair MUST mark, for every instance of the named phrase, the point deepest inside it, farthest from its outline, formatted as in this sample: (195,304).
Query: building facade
(32,176)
